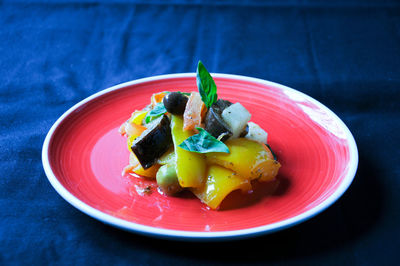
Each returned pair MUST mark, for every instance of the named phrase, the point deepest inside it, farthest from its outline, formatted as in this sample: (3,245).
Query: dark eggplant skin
(153,142)
(214,124)
(245,132)
(220,105)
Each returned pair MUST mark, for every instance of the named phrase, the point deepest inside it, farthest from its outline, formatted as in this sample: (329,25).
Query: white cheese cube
(256,133)
(236,116)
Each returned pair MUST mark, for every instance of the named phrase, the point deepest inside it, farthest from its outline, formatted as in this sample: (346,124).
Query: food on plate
(195,141)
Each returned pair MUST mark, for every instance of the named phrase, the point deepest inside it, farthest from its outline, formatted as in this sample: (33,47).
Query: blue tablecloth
(346,54)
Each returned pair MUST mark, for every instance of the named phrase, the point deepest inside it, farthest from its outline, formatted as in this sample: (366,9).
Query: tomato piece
(134,129)
(193,112)
(157,98)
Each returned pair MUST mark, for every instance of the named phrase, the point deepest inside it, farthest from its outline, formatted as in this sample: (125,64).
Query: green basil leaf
(203,143)
(157,111)
(185,93)
(206,85)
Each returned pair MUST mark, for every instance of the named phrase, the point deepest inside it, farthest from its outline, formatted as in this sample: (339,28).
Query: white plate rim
(195,235)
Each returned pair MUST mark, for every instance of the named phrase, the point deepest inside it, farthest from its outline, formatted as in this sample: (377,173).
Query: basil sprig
(203,143)
(157,111)
(206,85)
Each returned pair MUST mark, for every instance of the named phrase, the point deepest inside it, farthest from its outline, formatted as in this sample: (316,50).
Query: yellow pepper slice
(168,157)
(137,117)
(190,166)
(138,169)
(130,140)
(220,182)
(149,172)
(248,159)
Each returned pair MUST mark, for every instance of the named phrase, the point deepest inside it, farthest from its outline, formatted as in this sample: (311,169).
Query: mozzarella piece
(236,116)
(256,133)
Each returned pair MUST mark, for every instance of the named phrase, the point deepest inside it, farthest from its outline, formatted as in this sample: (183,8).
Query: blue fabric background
(346,54)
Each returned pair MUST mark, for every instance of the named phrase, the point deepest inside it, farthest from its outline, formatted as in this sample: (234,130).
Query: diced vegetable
(190,167)
(150,172)
(137,117)
(130,141)
(153,142)
(220,182)
(256,133)
(139,170)
(157,98)
(236,116)
(214,124)
(168,157)
(247,158)
(245,131)
(193,110)
(167,179)
(134,129)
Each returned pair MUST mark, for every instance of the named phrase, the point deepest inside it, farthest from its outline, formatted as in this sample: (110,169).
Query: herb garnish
(185,93)
(203,142)
(157,111)
(206,85)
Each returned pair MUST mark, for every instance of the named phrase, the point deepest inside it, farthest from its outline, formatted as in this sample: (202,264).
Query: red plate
(83,156)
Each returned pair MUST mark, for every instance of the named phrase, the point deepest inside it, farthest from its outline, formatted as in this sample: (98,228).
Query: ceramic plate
(83,156)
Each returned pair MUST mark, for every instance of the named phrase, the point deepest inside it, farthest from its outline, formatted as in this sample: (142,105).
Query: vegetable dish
(195,141)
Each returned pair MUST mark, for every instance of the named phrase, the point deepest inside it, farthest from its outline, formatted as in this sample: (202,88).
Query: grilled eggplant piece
(245,131)
(153,142)
(214,123)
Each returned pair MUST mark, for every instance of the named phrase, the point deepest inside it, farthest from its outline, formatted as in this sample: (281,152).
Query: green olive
(167,179)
